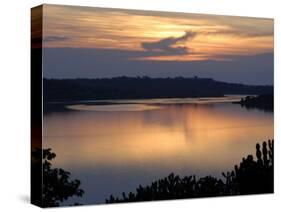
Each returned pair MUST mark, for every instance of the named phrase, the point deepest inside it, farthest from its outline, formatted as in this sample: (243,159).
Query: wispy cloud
(52,38)
(156,35)
(238,33)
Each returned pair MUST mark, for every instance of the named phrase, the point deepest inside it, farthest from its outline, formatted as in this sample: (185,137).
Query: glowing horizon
(156,35)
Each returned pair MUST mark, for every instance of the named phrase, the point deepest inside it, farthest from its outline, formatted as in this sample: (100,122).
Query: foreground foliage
(57,183)
(250,177)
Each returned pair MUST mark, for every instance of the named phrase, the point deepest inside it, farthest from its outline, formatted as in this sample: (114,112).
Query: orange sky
(163,36)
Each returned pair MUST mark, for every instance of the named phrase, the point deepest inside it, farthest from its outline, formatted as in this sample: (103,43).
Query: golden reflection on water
(196,138)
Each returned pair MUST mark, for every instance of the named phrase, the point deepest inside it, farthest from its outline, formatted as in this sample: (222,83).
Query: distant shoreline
(264,102)
(55,90)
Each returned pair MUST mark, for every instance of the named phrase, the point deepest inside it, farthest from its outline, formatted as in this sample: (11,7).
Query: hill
(143,87)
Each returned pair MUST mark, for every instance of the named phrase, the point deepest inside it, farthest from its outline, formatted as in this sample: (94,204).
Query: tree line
(142,87)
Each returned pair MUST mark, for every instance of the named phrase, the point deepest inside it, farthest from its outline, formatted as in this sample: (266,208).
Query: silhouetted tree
(263,102)
(250,177)
(57,185)
(255,177)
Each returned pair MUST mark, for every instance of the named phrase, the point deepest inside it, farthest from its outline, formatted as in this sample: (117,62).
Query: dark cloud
(52,38)
(169,46)
(166,45)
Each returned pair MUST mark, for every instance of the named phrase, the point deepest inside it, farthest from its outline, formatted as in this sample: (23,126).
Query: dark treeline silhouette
(57,184)
(250,177)
(142,87)
(263,102)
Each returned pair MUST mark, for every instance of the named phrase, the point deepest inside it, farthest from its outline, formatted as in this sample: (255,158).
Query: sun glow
(127,30)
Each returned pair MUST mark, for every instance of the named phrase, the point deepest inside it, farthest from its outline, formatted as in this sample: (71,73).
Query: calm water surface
(113,148)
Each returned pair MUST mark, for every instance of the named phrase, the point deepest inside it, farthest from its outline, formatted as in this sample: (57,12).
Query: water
(115,146)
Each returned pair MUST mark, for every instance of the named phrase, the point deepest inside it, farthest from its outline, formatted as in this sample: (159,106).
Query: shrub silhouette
(254,177)
(57,185)
(250,177)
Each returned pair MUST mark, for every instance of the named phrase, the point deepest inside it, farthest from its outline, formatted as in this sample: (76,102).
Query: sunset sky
(94,42)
